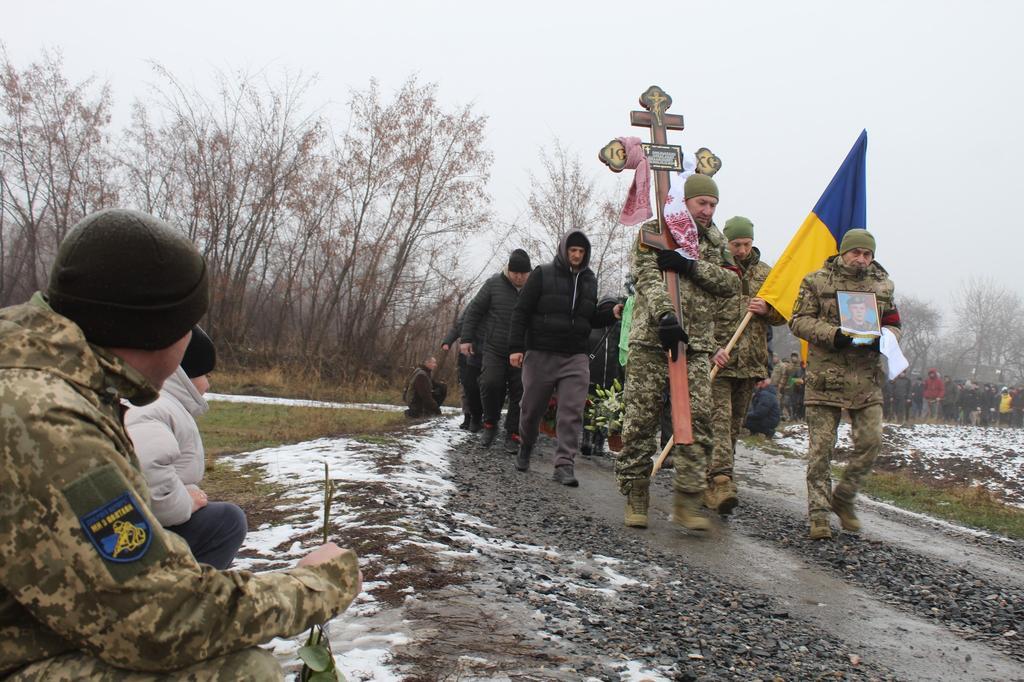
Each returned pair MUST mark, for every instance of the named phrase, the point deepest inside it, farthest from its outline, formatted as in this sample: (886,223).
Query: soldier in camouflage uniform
(654,330)
(748,363)
(91,586)
(841,374)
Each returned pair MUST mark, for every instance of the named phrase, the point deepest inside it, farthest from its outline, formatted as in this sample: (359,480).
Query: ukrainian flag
(842,207)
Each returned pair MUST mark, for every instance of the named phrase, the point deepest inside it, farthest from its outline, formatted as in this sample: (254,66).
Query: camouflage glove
(841,340)
(671,334)
(673,260)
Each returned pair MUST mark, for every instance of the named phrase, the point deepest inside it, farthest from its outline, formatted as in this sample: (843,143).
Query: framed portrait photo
(858,314)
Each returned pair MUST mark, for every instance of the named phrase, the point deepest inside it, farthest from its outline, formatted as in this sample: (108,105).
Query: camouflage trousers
(248,664)
(731,399)
(822,424)
(646,373)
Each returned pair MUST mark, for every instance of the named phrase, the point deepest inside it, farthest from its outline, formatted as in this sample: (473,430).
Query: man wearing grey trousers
(548,338)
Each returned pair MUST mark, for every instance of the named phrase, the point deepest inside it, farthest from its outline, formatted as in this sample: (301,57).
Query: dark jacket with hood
(486,320)
(558,306)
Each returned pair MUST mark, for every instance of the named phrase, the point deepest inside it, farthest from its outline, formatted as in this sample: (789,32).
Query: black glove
(673,260)
(671,334)
(841,340)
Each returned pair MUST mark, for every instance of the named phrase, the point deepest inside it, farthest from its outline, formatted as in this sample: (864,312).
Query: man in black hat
(485,328)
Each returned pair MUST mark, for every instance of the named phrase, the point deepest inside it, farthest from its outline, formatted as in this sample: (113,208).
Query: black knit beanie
(519,261)
(129,280)
(578,239)
(200,356)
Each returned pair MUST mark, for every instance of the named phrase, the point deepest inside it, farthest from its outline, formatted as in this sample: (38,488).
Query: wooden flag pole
(714,372)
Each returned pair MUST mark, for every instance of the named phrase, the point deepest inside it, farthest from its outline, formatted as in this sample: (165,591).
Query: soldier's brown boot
(637,502)
(820,528)
(842,505)
(725,499)
(686,511)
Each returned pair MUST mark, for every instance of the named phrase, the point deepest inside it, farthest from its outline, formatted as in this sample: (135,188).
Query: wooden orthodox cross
(656,103)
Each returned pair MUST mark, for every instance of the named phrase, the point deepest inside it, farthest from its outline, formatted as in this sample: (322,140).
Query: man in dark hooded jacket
(548,338)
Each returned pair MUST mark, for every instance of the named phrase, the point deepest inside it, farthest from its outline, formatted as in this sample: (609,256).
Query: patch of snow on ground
(636,672)
(992,456)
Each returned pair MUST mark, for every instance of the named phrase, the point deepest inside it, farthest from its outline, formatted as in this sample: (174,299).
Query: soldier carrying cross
(658,326)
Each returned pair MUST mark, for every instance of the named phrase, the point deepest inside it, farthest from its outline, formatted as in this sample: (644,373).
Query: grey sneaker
(523,458)
(487,435)
(564,475)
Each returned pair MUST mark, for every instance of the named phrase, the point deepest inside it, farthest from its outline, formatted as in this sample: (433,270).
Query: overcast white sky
(779,90)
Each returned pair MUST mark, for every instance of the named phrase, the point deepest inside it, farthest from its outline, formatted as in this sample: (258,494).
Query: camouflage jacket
(749,357)
(851,377)
(698,294)
(84,564)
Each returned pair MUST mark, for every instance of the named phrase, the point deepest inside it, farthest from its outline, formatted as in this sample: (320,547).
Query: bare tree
(987,329)
(55,166)
(920,322)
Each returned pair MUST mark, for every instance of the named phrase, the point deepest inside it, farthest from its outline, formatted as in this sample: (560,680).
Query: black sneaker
(465,423)
(475,425)
(564,475)
(487,437)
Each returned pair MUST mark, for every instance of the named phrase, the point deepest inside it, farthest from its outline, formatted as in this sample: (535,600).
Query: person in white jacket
(170,450)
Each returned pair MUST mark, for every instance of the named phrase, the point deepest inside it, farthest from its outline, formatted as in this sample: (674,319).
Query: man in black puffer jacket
(549,336)
(485,332)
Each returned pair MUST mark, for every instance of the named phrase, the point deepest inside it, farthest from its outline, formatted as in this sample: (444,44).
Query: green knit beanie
(698,185)
(857,239)
(128,280)
(738,227)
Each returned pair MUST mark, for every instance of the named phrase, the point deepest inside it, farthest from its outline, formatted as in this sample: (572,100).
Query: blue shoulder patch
(118,529)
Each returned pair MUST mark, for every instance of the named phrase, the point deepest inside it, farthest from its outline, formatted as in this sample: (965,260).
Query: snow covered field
(992,457)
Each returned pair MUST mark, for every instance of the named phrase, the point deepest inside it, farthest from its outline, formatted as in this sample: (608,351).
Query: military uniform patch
(116,523)
(118,529)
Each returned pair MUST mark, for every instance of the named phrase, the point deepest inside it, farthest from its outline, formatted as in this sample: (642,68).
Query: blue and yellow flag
(842,207)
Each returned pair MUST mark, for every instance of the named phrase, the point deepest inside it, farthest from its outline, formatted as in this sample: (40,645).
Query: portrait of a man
(858,313)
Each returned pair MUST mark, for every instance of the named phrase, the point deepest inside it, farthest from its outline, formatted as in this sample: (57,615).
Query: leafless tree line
(339,250)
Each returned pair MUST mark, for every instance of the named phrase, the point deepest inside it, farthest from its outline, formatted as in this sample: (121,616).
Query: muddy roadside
(752,599)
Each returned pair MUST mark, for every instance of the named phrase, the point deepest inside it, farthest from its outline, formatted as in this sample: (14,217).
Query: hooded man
(91,584)
(549,337)
(934,392)
(656,330)
(485,331)
(748,362)
(842,374)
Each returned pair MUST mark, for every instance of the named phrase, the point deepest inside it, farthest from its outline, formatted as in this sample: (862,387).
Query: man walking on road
(485,330)
(656,329)
(549,339)
(748,361)
(842,374)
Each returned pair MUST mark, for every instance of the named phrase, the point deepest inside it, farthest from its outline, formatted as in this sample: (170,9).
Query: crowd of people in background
(947,400)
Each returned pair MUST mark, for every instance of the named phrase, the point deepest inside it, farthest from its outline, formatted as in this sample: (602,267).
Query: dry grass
(972,506)
(308,384)
(240,427)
